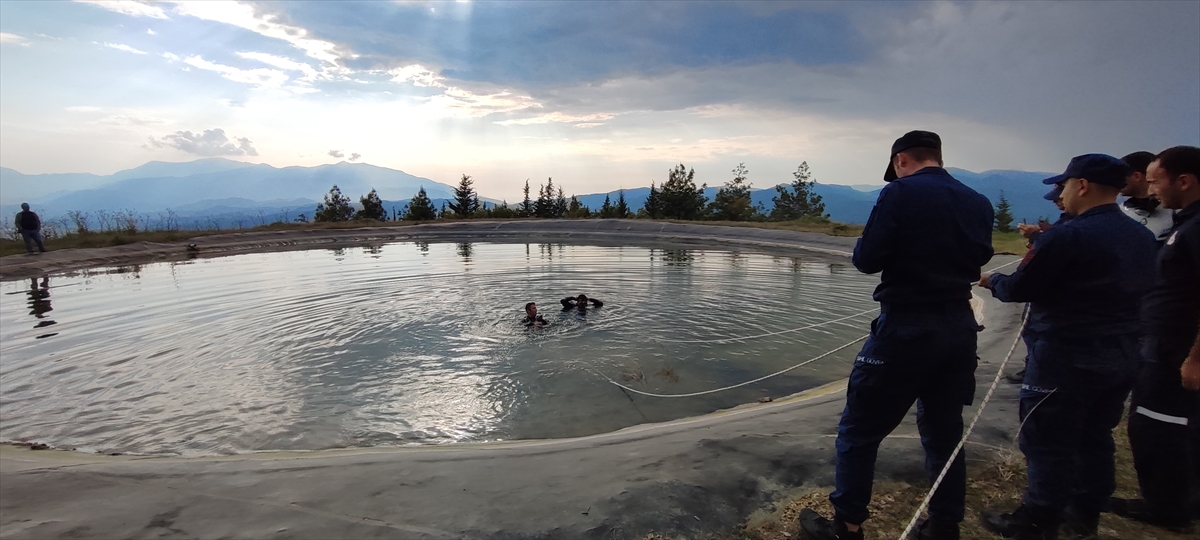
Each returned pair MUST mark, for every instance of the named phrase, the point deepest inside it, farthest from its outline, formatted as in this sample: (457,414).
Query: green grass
(1009,242)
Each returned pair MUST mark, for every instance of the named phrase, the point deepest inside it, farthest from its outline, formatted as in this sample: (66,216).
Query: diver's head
(581,299)
(531,309)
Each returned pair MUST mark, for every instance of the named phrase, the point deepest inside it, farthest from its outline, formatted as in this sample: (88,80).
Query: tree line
(678,197)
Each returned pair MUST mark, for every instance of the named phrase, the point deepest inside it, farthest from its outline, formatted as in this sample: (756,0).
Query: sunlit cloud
(212,142)
(13,39)
(266,24)
(584,120)
(124,47)
(136,9)
(259,77)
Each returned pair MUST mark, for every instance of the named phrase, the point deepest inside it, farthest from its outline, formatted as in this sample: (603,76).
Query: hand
(1190,373)
(985,281)
(1027,229)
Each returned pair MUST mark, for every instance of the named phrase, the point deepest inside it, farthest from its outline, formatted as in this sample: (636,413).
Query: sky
(599,96)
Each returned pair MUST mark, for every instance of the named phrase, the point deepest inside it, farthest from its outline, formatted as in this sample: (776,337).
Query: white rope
(763,378)
(978,414)
(743,338)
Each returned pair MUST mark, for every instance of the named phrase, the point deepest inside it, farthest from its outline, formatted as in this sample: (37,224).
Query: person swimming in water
(531,316)
(579,302)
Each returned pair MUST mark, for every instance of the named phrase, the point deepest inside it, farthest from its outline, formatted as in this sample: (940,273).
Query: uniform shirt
(1150,214)
(1172,309)
(1087,276)
(929,234)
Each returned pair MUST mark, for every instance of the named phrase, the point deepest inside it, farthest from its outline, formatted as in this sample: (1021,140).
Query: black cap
(1096,168)
(912,139)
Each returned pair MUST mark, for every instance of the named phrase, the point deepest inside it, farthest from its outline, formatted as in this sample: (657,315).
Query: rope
(743,338)
(941,476)
(804,363)
(763,378)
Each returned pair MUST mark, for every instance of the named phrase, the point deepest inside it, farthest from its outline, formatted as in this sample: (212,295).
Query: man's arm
(17,222)
(1033,280)
(879,235)
(1190,371)
(595,302)
(568,302)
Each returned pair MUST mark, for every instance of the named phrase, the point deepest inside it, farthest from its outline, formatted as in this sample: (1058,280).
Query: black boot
(819,528)
(1020,525)
(932,529)
(1140,510)
(1080,526)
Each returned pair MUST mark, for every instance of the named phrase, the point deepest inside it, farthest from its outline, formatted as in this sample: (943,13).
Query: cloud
(151,31)
(212,142)
(259,77)
(283,63)
(355,156)
(418,75)
(269,24)
(584,120)
(123,47)
(336,154)
(136,9)
(83,108)
(14,39)
(171,56)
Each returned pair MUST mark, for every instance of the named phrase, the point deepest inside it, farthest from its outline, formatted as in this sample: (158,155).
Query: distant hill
(189,185)
(234,191)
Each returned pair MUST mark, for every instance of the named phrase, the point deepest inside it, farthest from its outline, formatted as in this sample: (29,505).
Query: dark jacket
(27,220)
(929,234)
(1086,278)
(1172,308)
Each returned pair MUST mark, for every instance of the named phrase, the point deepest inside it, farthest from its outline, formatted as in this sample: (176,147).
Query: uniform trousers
(921,355)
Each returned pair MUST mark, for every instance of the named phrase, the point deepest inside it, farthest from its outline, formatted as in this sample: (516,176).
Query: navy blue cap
(1096,168)
(1054,194)
(912,139)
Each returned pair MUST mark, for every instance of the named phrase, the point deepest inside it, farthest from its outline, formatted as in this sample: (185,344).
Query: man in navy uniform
(1166,401)
(929,234)
(1086,280)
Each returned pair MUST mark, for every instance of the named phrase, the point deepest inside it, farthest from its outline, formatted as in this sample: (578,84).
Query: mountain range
(227,193)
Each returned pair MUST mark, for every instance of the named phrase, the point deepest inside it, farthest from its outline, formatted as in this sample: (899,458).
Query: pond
(408,343)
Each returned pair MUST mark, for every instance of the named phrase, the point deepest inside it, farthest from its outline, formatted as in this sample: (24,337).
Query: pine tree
(372,207)
(544,206)
(527,208)
(732,202)
(560,204)
(576,209)
(420,208)
(466,200)
(606,210)
(800,200)
(1003,215)
(335,208)
(680,198)
(653,206)
(622,209)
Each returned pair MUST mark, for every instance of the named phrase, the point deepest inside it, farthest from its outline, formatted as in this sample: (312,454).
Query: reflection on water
(395,345)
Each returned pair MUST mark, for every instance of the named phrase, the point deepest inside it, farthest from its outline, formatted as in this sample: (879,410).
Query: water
(406,343)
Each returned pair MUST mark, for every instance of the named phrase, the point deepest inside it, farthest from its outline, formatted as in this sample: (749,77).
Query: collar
(1147,204)
(1101,209)
(1187,213)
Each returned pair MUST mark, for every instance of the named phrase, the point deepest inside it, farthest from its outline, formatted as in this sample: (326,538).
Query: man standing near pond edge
(929,234)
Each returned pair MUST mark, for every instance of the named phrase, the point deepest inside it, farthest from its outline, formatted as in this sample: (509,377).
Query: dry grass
(998,484)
